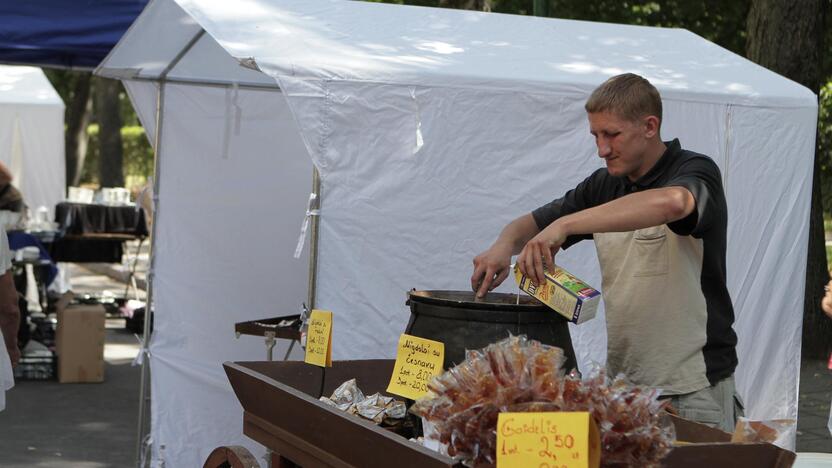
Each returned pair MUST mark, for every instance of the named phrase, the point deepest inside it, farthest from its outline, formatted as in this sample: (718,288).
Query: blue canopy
(63,33)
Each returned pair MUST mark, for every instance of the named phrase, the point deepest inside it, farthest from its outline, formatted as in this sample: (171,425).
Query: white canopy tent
(431,129)
(32,135)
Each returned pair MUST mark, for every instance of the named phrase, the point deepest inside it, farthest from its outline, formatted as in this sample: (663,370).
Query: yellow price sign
(547,440)
(417,362)
(319,338)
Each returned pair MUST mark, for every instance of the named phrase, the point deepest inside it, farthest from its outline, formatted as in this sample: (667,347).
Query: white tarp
(432,129)
(232,191)
(32,135)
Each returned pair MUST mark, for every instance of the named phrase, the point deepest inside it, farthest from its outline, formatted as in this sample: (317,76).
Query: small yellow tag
(319,339)
(417,362)
(561,440)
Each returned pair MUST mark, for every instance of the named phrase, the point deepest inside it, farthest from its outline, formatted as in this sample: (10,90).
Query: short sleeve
(585,195)
(701,176)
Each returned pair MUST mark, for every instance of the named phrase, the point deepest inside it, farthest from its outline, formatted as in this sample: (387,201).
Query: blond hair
(628,96)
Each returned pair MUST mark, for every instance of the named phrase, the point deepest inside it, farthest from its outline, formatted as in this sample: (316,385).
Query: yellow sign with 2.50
(547,440)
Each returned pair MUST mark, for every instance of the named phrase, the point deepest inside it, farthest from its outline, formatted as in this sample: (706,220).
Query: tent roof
(60,33)
(26,85)
(395,44)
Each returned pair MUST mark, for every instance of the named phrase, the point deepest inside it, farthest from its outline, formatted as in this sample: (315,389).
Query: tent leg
(144,384)
(313,243)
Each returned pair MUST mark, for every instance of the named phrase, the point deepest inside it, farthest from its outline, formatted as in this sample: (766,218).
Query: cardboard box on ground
(79,341)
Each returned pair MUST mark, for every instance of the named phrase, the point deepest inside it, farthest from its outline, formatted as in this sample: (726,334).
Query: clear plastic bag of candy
(521,375)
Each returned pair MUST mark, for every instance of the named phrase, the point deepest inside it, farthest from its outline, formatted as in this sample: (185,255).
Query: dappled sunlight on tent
(438,47)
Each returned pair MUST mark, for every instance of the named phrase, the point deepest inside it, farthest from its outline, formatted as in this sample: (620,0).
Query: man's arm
(636,211)
(9,315)
(492,266)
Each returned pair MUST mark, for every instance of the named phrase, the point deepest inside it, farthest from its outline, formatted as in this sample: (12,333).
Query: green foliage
(825,146)
(716,20)
(829,257)
(64,83)
(138,156)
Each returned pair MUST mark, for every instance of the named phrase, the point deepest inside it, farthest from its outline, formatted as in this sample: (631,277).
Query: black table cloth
(95,233)
(79,219)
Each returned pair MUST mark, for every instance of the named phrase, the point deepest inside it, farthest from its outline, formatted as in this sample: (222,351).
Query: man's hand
(539,253)
(491,268)
(14,353)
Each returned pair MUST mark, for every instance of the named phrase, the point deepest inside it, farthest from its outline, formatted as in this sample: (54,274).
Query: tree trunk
(786,36)
(78,113)
(481,5)
(110,156)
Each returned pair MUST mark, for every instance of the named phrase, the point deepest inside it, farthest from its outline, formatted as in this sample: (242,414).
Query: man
(658,216)
(9,320)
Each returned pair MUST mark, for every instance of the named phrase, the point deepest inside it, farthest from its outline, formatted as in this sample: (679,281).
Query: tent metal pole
(144,398)
(207,83)
(146,332)
(313,242)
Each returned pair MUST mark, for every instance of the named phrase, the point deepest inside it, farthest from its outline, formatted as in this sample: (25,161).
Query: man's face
(622,144)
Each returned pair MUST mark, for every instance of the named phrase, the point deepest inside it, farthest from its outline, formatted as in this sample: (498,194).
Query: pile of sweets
(376,407)
(521,375)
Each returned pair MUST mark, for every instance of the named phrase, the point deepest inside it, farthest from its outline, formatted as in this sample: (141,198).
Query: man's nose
(604,149)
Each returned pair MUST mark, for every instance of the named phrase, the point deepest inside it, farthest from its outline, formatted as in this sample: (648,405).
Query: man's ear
(651,126)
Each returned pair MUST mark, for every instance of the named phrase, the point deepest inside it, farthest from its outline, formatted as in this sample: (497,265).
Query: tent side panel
(418,181)
(33,150)
(234,183)
(769,192)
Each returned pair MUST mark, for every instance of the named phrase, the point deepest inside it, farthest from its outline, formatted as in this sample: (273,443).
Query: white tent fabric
(32,135)
(228,201)
(431,129)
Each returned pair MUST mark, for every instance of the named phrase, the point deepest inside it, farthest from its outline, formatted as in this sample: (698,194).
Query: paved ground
(813,407)
(47,424)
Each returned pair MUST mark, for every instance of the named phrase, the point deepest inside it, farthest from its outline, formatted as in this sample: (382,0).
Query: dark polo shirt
(664,328)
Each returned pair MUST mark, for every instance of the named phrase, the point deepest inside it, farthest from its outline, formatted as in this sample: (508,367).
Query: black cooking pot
(461,321)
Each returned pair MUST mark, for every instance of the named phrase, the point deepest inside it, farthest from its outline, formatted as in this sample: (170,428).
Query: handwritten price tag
(547,440)
(417,361)
(319,339)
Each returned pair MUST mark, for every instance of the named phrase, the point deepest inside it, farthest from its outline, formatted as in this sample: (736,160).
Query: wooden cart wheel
(233,456)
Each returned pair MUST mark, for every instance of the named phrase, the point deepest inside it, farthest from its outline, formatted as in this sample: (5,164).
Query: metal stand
(133,264)
(271,341)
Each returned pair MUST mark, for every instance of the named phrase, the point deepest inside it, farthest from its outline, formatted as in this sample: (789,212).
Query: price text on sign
(547,440)
(319,339)
(417,362)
